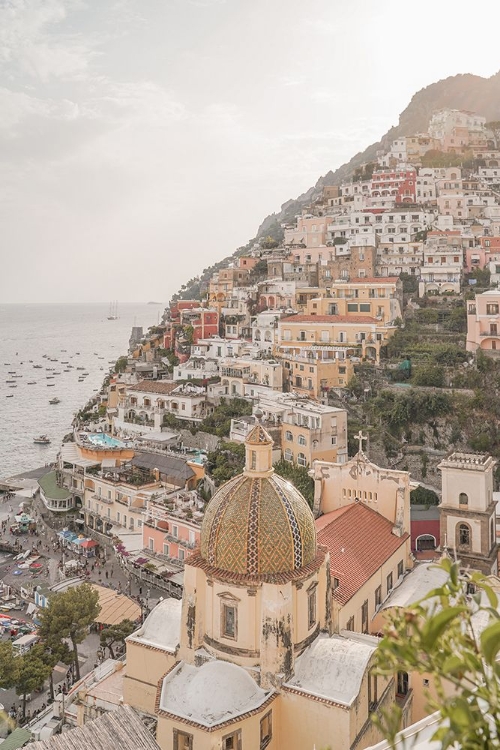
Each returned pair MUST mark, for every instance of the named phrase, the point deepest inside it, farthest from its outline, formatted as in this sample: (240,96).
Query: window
(301,440)
(378,596)
(266,730)
(352,307)
(336,583)
(401,569)
(182,740)
(151,543)
(253,460)
(464,534)
(288,455)
(372,691)
(229,621)
(175,531)
(311,607)
(232,741)
(364,617)
(463,499)
(402,685)
(182,554)
(166,550)
(350,624)
(289,436)
(365,307)
(192,537)
(389,582)
(301,460)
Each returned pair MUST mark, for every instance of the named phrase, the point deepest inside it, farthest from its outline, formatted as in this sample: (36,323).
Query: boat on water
(9,395)
(12,386)
(55,400)
(37,367)
(80,368)
(49,377)
(113,310)
(31,382)
(41,440)
(50,384)
(11,372)
(10,381)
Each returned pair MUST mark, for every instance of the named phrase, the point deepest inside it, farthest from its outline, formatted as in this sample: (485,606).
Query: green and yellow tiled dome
(258,523)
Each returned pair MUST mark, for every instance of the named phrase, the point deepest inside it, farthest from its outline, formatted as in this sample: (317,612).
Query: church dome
(258,523)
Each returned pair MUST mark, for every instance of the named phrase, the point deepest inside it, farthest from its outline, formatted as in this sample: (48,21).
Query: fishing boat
(55,400)
(113,311)
(41,440)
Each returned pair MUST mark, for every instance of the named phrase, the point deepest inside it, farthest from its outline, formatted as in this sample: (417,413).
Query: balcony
(490,334)
(105,500)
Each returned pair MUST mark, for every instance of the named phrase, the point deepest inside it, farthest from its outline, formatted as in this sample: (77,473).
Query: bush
(422,496)
(299,477)
(429,375)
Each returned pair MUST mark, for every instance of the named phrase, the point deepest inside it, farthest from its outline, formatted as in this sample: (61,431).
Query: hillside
(470,92)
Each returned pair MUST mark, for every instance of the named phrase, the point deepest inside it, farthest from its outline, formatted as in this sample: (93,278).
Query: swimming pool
(106,441)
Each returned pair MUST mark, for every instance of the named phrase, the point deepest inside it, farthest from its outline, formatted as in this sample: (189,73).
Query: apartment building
(236,372)
(379,297)
(313,371)
(483,323)
(442,268)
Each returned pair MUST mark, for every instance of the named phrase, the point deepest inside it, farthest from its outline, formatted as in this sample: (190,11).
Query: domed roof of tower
(258,523)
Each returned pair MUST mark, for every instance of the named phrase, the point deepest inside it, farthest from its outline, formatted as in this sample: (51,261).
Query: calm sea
(27,332)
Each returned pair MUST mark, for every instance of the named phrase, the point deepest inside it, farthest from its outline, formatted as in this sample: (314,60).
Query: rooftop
(360,541)
(50,488)
(154,386)
(121,728)
(115,607)
(162,627)
(169,465)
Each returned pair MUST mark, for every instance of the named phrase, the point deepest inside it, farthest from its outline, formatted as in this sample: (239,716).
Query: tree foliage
(422,496)
(219,422)
(299,477)
(224,463)
(115,635)
(69,615)
(455,637)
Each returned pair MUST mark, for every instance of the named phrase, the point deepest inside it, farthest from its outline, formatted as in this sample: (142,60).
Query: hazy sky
(142,140)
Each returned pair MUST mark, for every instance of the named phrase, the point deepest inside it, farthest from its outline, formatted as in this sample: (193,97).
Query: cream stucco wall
(145,667)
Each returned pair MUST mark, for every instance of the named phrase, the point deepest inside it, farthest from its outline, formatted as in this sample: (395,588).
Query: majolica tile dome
(257,523)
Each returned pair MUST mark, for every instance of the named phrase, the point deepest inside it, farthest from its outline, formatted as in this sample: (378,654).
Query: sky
(143,140)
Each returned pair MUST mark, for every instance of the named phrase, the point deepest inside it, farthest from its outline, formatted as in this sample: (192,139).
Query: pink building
(309,231)
(483,323)
(164,533)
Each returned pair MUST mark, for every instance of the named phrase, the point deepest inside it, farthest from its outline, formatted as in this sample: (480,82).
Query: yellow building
(381,298)
(248,660)
(315,370)
(363,334)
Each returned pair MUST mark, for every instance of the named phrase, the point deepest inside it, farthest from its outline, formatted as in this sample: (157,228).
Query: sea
(79,335)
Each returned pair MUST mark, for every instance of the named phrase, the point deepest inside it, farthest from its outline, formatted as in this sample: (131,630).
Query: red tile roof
(360,541)
(329,319)
(154,386)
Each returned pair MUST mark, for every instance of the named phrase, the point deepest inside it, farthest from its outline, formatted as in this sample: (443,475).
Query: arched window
(301,440)
(464,535)
(288,455)
(463,499)
(289,436)
(257,335)
(267,336)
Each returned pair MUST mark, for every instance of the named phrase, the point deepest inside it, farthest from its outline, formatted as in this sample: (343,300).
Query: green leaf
(436,625)
(490,642)
(492,597)
(453,665)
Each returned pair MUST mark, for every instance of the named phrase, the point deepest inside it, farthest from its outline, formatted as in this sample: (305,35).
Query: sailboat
(113,311)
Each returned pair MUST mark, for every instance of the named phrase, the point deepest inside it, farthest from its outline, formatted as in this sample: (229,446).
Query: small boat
(55,400)
(11,372)
(80,368)
(7,364)
(49,377)
(64,350)
(37,367)
(31,382)
(66,370)
(10,381)
(9,395)
(81,380)
(17,376)
(41,440)
(77,352)
(30,361)
(84,374)
(50,384)
(12,386)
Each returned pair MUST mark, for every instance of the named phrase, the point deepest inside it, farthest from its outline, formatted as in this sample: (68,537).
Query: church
(256,654)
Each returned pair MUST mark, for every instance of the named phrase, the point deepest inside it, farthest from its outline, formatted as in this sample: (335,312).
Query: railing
(490,333)
(106,500)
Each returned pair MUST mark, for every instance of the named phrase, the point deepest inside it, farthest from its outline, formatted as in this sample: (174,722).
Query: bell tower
(467,510)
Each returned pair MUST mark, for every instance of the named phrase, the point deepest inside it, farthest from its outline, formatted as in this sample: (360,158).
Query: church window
(464,534)
(311,607)
(364,617)
(463,499)
(389,582)
(402,687)
(232,741)
(182,740)
(266,730)
(229,621)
